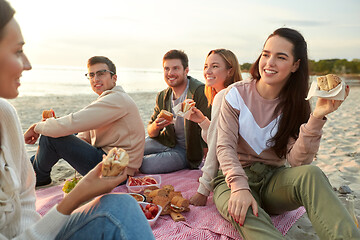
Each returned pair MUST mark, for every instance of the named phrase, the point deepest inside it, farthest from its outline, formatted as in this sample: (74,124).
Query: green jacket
(194,142)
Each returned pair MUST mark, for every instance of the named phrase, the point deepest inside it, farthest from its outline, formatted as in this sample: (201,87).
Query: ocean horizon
(68,80)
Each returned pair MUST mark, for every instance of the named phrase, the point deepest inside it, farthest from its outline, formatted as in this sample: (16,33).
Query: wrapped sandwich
(115,162)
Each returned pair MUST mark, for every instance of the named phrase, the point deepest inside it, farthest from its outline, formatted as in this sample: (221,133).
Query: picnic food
(48,114)
(150,210)
(70,184)
(115,162)
(138,181)
(328,82)
(187,104)
(166,115)
(171,201)
(138,197)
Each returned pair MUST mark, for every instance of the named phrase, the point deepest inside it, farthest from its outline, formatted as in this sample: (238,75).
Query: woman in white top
(112,216)
(221,69)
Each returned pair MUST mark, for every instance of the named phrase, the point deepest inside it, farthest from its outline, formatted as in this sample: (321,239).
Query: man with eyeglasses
(112,120)
(175,145)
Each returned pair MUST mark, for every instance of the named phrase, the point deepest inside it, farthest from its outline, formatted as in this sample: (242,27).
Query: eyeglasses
(98,74)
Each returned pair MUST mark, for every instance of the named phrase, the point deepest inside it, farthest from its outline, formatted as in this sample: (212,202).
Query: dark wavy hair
(293,106)
(6,14)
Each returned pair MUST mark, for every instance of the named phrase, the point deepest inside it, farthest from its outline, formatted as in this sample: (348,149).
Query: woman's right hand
(196,115)
(91,185)
(198,199)
(239,203)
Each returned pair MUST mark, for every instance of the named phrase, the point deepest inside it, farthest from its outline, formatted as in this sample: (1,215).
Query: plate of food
(138,184)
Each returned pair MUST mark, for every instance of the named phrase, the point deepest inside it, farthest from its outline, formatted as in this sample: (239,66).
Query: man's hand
(155,127)
(30,136)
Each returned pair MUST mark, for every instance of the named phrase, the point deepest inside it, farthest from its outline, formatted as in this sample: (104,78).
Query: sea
(69,80)
(63,80)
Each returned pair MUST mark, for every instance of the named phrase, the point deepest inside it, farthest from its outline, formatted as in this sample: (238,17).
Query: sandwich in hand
(168,116)
(48,114)
(115,162)
(187,105)
(328,82)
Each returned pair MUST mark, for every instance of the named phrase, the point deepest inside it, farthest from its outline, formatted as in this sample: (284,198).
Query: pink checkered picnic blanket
(201,222)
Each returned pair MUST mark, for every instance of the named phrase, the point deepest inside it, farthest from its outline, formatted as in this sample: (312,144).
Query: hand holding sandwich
(326,106)
(90,186)
(163,119)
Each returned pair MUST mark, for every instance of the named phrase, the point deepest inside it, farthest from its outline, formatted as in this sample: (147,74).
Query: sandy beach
(338,156)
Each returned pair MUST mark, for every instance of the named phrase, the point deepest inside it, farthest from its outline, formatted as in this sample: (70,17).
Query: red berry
(148,214)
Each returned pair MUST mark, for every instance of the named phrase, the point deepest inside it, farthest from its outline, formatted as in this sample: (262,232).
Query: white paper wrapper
(337,93)
(178,112)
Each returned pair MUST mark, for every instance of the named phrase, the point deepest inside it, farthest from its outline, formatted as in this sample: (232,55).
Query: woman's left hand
(326,106)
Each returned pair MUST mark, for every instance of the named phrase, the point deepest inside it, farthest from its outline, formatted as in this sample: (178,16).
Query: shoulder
(6,109)
(237,92)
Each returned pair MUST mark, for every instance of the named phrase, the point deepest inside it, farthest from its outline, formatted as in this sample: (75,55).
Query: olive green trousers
(280,189)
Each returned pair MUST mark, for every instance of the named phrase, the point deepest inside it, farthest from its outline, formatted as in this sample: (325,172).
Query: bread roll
(187,105)
(48,114)
(166,115)
(328,82)
(115,162)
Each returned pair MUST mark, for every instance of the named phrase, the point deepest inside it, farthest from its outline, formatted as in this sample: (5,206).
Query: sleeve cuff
(205,123)
(315,125)
(39,127)
(203,190)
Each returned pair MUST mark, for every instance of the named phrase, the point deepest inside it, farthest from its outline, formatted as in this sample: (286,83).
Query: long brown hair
(231,63)
(6,14)
(293,106)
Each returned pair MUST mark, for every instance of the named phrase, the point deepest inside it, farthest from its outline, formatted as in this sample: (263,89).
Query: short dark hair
(6,14)
(177,54)
(101,59)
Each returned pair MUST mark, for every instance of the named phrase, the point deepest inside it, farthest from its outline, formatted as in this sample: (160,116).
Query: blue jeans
(162,159)
(112,216)
(78,153)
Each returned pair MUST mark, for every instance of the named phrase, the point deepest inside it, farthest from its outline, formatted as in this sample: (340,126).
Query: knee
(116,202)
(310,174)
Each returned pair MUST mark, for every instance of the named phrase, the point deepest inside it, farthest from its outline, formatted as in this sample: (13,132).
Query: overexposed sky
(137,33)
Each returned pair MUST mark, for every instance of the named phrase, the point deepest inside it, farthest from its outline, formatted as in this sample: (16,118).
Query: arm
(302,150)
(156,124)
(102,111)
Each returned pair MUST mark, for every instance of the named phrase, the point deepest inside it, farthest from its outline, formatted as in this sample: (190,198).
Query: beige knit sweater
(113,120)
(18,216)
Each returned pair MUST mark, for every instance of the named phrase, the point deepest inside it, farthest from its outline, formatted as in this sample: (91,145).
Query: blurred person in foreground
(111,216)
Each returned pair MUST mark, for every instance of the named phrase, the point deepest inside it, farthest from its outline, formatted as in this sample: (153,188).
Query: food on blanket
(179,201)
(48,114)
(187,105)
(150,210)
(142,181)
(164,202)
(115,162)
(138,197)
(70,184)
(171,201)
(328,82)
(177,216)
(168,116)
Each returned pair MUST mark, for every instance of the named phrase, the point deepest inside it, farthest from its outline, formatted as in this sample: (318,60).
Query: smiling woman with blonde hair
(221,69)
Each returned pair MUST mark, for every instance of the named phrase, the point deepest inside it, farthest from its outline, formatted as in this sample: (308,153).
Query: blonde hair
(235,73)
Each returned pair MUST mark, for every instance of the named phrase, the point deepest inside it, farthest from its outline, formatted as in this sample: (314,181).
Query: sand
(338,156)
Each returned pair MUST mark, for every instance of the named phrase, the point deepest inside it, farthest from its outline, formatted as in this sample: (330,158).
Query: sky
(137,33)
